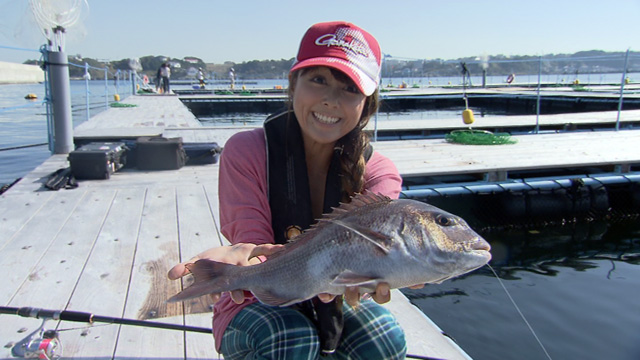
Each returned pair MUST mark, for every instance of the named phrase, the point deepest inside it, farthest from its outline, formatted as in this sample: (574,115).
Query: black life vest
(290,203)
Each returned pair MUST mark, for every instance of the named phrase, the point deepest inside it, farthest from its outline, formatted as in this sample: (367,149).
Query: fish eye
(444,220)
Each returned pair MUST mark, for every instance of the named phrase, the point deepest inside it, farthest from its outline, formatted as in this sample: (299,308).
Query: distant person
(232,76)
(200,77)
(159,79)
(165,73)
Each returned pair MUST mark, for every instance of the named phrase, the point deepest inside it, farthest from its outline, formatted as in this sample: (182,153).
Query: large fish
(370,240)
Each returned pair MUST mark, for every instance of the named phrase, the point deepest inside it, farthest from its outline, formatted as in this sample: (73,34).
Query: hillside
(584,62)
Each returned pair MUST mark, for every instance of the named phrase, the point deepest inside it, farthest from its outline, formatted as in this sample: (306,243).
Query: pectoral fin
(349,278)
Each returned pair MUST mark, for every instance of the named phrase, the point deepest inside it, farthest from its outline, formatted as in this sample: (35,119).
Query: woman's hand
(243,254)
(352,295)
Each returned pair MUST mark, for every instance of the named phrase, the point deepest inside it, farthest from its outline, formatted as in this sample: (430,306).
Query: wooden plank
(156,252)
(422,335)
(38,233)
(51,282)
(16,210)
(103,285)
(197,232)
(437,157)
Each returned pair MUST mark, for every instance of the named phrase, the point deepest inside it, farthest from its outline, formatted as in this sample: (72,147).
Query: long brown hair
(352,146)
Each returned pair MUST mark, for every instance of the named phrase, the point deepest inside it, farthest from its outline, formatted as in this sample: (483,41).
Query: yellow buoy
(31,96)
(467,116)
(116,97)
(627,81)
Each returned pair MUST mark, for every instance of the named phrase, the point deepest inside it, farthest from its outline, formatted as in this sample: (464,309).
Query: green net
(478,137)
(121,105)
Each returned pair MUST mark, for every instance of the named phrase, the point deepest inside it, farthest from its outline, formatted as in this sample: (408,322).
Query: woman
(275,181)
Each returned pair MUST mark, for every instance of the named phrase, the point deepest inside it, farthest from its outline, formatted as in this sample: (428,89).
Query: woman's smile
(326,119)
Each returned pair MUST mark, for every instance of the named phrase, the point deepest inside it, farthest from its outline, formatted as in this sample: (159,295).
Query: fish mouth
(480,245)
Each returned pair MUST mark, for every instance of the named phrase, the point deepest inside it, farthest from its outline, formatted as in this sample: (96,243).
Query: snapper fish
(370,240)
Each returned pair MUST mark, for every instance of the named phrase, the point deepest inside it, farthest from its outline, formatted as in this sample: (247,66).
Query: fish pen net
(478,137)
(121,105)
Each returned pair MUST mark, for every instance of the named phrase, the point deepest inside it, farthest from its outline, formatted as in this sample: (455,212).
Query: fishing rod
(45,344)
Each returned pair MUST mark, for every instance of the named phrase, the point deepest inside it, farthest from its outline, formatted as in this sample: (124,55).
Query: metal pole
(538,98)
(118,82)
(624,75)
(86,88)
(106,88)
(47,97)
(132,87)
(61,100)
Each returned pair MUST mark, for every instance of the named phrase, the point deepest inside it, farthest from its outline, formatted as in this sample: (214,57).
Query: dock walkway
(105,248)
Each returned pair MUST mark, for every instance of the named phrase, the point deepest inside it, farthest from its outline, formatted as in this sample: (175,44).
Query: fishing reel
(40,344)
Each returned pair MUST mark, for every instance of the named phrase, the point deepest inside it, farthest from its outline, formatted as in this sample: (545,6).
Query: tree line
(585,62)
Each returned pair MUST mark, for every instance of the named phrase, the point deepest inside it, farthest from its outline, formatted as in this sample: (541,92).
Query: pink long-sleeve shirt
(245,215)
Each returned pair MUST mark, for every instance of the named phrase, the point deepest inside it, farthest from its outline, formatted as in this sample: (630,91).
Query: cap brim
(366,84)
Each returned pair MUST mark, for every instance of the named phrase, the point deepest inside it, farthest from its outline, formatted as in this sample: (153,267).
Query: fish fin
(209,278)
(357,201)
(381,241)
(349,278)
(269,298)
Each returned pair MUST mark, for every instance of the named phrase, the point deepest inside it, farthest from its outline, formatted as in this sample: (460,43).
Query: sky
(245,30)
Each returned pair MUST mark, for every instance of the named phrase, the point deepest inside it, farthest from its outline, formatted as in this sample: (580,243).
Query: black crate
(159,153)
(97,160)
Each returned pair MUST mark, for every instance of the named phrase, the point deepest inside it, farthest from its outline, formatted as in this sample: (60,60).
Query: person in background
(200,77)
(274,181)
(232,77)
(159,79)
(165,74)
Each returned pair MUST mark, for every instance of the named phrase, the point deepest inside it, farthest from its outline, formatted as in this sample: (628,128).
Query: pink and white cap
(345,47)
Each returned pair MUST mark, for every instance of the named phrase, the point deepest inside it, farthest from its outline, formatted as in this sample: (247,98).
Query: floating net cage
(122,105)
(478,137)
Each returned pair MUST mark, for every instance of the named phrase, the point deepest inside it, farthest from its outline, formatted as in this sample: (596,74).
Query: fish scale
(370,240)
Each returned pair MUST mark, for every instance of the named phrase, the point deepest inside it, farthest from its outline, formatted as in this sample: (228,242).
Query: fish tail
(210,277)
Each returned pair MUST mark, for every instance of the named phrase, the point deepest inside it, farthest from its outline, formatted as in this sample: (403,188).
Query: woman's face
(326,108)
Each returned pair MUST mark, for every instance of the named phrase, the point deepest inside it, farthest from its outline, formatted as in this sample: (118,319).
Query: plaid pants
(264,332)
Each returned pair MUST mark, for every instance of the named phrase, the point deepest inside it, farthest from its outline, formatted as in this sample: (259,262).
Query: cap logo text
(353,45)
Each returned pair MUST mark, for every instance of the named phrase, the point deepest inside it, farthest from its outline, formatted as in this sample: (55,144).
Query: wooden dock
(105,248)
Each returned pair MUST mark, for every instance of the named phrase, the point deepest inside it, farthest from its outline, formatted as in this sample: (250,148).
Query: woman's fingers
(265,250)
(352,296)
(237,296)
(326,298)
(382,294)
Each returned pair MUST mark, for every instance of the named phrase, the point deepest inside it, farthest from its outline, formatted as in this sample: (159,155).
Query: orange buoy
(31,96)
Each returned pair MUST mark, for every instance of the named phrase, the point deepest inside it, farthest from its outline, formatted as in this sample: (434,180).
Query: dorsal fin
(357,201)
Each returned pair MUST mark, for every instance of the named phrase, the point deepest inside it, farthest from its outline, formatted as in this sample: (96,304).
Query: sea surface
(577,284)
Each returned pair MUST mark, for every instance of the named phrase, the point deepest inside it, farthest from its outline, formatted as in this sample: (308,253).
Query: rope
(23,146)
(478,137)
(17,48)
(121,105)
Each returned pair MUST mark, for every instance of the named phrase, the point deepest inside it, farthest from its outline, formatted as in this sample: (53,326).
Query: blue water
(578,286)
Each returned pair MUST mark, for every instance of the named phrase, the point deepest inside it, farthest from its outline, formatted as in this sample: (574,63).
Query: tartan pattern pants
(263,332)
